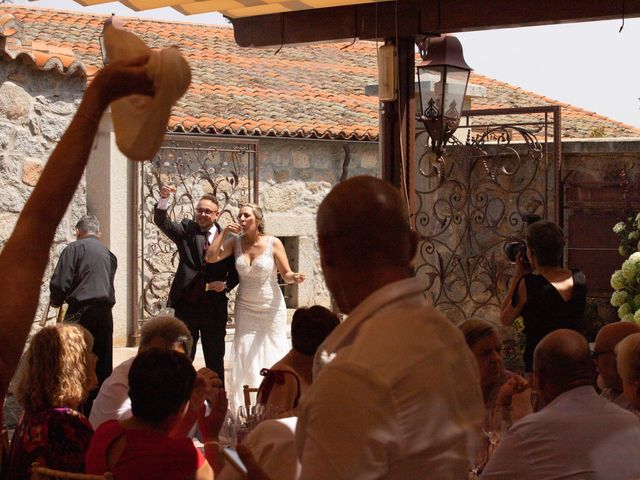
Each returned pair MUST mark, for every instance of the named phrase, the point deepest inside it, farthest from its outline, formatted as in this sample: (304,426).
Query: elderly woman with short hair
(56,375)
(498,384)
(506,395)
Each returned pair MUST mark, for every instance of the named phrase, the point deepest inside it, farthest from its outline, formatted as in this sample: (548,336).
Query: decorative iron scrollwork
(195,165)
(472,201)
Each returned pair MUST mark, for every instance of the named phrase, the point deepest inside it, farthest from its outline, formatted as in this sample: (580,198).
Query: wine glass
(242,423)
(493,429)
(228,433)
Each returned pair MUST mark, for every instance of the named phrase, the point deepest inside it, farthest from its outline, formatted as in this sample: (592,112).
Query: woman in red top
(160,385)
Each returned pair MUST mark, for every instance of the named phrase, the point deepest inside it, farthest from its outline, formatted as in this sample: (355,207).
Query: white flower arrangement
(626,283)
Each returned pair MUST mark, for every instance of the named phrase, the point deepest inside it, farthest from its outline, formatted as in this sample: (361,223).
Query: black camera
(513,249)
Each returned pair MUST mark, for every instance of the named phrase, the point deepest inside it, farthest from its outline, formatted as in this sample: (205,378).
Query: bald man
(605,359)
(578,434)
(396,393)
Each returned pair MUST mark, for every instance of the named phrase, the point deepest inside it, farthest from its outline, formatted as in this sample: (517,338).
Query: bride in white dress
(260,312)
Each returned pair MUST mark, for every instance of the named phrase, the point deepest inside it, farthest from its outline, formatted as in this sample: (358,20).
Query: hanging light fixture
(443,76)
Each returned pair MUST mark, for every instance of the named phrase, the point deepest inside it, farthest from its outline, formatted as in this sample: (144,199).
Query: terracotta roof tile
(312,91)
(576,122)
(45,56)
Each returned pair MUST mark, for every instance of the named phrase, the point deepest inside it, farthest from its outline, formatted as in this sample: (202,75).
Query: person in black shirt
(546,295)
(83,278)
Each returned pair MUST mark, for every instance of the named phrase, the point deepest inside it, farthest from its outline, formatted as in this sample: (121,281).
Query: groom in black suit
(204,312)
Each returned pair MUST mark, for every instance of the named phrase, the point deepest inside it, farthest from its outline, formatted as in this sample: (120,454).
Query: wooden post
(397,125)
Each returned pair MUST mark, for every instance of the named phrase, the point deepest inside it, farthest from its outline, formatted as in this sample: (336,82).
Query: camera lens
(512,249)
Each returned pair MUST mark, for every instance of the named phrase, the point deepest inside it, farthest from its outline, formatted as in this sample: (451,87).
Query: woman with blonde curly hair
(260,312)
(56,375)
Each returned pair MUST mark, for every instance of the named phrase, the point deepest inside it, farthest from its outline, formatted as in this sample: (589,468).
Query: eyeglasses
(205,211)
(595,354)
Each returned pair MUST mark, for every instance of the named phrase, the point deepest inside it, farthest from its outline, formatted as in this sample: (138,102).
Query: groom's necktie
(206,244)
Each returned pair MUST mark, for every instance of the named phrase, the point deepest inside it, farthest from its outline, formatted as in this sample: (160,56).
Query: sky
(589,65)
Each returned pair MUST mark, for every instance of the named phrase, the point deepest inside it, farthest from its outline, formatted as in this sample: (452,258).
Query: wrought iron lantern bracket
(444,69)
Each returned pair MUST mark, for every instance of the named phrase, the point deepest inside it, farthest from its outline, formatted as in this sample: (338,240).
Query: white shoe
(139,121)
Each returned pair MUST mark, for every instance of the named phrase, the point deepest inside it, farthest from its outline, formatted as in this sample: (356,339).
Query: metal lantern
(444,70)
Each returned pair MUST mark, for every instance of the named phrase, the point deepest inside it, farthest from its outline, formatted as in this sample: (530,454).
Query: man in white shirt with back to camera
(396,393)
(578,435)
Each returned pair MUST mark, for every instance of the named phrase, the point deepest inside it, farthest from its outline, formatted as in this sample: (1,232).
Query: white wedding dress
(260,318)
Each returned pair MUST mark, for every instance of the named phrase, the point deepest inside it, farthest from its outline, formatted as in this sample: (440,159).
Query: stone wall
(35,109)
(295,175)
(293,178)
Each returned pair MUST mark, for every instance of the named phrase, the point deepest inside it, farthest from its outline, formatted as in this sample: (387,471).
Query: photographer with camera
(542,291)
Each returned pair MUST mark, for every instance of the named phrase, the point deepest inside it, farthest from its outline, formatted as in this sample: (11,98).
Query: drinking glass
(493,429)
(228,434)
(248,418)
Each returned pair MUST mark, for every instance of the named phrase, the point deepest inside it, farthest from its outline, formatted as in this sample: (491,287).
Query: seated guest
(605,359)
(500,387)
(578,434)
(628,362)
(112,402)
(56,375)
(507,396)
(290,377)
(160,385)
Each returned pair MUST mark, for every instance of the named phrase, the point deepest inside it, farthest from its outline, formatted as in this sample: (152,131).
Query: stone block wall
(295,175)
(35,109)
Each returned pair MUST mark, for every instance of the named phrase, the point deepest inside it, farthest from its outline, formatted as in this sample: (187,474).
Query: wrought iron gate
(474,201)
(195,165)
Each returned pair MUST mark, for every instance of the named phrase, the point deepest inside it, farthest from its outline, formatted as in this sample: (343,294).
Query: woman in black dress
(545,294)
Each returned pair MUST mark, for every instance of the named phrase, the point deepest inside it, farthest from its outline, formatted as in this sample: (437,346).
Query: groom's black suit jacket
(190,241)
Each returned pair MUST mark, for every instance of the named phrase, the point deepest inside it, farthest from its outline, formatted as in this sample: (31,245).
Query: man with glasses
(203,311)
(577,435)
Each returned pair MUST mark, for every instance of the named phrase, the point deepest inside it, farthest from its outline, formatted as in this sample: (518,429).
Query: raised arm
(26,253)
(223,244)
(282,262)
(509,312)
(171,229)
(509,309)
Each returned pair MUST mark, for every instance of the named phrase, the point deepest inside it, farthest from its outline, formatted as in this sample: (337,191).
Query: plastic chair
(38,472)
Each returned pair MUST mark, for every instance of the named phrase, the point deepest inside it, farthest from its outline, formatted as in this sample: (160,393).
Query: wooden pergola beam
(417,18)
